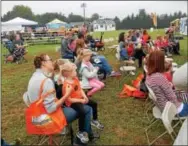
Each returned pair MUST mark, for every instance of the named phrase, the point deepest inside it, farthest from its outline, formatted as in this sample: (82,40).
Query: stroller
(96,45)
(10,47)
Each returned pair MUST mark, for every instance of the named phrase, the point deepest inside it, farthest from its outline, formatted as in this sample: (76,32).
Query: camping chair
(167,116)
(55,139)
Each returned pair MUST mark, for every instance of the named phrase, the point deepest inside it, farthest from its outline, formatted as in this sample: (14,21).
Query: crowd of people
(137,43)
(65,79)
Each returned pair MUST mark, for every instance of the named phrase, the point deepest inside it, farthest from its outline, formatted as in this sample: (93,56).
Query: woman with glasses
(44,69)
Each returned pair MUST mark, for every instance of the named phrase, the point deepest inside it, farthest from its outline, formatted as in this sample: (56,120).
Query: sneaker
(169,55)
(97,124)
(94,136)
(83,136)
(132,73)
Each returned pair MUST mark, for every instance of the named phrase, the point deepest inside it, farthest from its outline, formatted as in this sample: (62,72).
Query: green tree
(118,23)
(75,18)
(95,16)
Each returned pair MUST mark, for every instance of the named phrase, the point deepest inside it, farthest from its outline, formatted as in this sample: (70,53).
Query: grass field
(124,119)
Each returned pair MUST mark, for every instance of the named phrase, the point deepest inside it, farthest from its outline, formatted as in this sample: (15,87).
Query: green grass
(124,119)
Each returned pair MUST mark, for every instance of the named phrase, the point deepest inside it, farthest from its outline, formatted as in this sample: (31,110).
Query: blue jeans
(3,143)
(105,65)
(71,115)
(184,112)
(68,56)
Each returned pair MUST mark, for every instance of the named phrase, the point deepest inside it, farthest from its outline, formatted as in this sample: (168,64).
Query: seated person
(58,79)
(44,69)
(175,43)
(89,74)
(168,72)
(80,43)
(123,52)
(66,52)
(76,96)
(160,85)
(18,49)
(167,44)
(145,37)
(130,50)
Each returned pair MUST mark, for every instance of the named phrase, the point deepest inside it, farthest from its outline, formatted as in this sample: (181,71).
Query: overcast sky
(108,9)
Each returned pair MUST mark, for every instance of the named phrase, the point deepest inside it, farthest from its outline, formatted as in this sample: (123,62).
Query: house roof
(78,23)
(104,21)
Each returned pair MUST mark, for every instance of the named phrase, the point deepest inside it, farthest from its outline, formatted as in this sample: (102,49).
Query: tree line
(141,20)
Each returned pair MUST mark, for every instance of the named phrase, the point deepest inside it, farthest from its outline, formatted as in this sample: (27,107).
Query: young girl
(58,78)
(89,73)
(167,45)
(76,96)
(123,52)
(168,72)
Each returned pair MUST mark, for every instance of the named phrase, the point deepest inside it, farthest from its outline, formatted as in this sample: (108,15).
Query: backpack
(129,91)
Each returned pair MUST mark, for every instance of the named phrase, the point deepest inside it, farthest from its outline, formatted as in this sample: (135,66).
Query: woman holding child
(43,74)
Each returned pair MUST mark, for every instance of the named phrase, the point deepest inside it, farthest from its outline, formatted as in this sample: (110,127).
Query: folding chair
(125,67)
(152,98)
(52,139)
(167,116)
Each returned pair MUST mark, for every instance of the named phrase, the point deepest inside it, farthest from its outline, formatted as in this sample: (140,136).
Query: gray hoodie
(32,93)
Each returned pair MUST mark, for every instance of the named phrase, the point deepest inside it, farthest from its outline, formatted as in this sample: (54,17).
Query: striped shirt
(162,89)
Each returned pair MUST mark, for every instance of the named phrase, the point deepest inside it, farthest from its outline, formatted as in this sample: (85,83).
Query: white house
(103,25)
(183,26)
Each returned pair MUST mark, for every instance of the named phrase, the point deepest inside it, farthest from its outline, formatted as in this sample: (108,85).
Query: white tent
(19,21)
(56,21)
(16,24)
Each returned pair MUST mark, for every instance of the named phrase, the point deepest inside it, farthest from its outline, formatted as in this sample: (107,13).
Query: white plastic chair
(150,104)
(167,116)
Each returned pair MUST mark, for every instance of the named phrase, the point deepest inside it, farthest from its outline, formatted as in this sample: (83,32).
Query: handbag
(38,121)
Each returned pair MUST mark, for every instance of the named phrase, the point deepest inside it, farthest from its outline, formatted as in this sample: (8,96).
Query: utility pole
(83,5)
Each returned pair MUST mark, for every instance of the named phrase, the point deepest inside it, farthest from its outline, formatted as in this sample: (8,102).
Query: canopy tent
(17,24)
(55,24)
(19,21)
(56,21)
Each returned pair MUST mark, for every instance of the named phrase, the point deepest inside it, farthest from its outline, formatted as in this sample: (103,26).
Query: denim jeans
(71,115)
(68,56)
(184,111)
(105,65)
(3,143)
